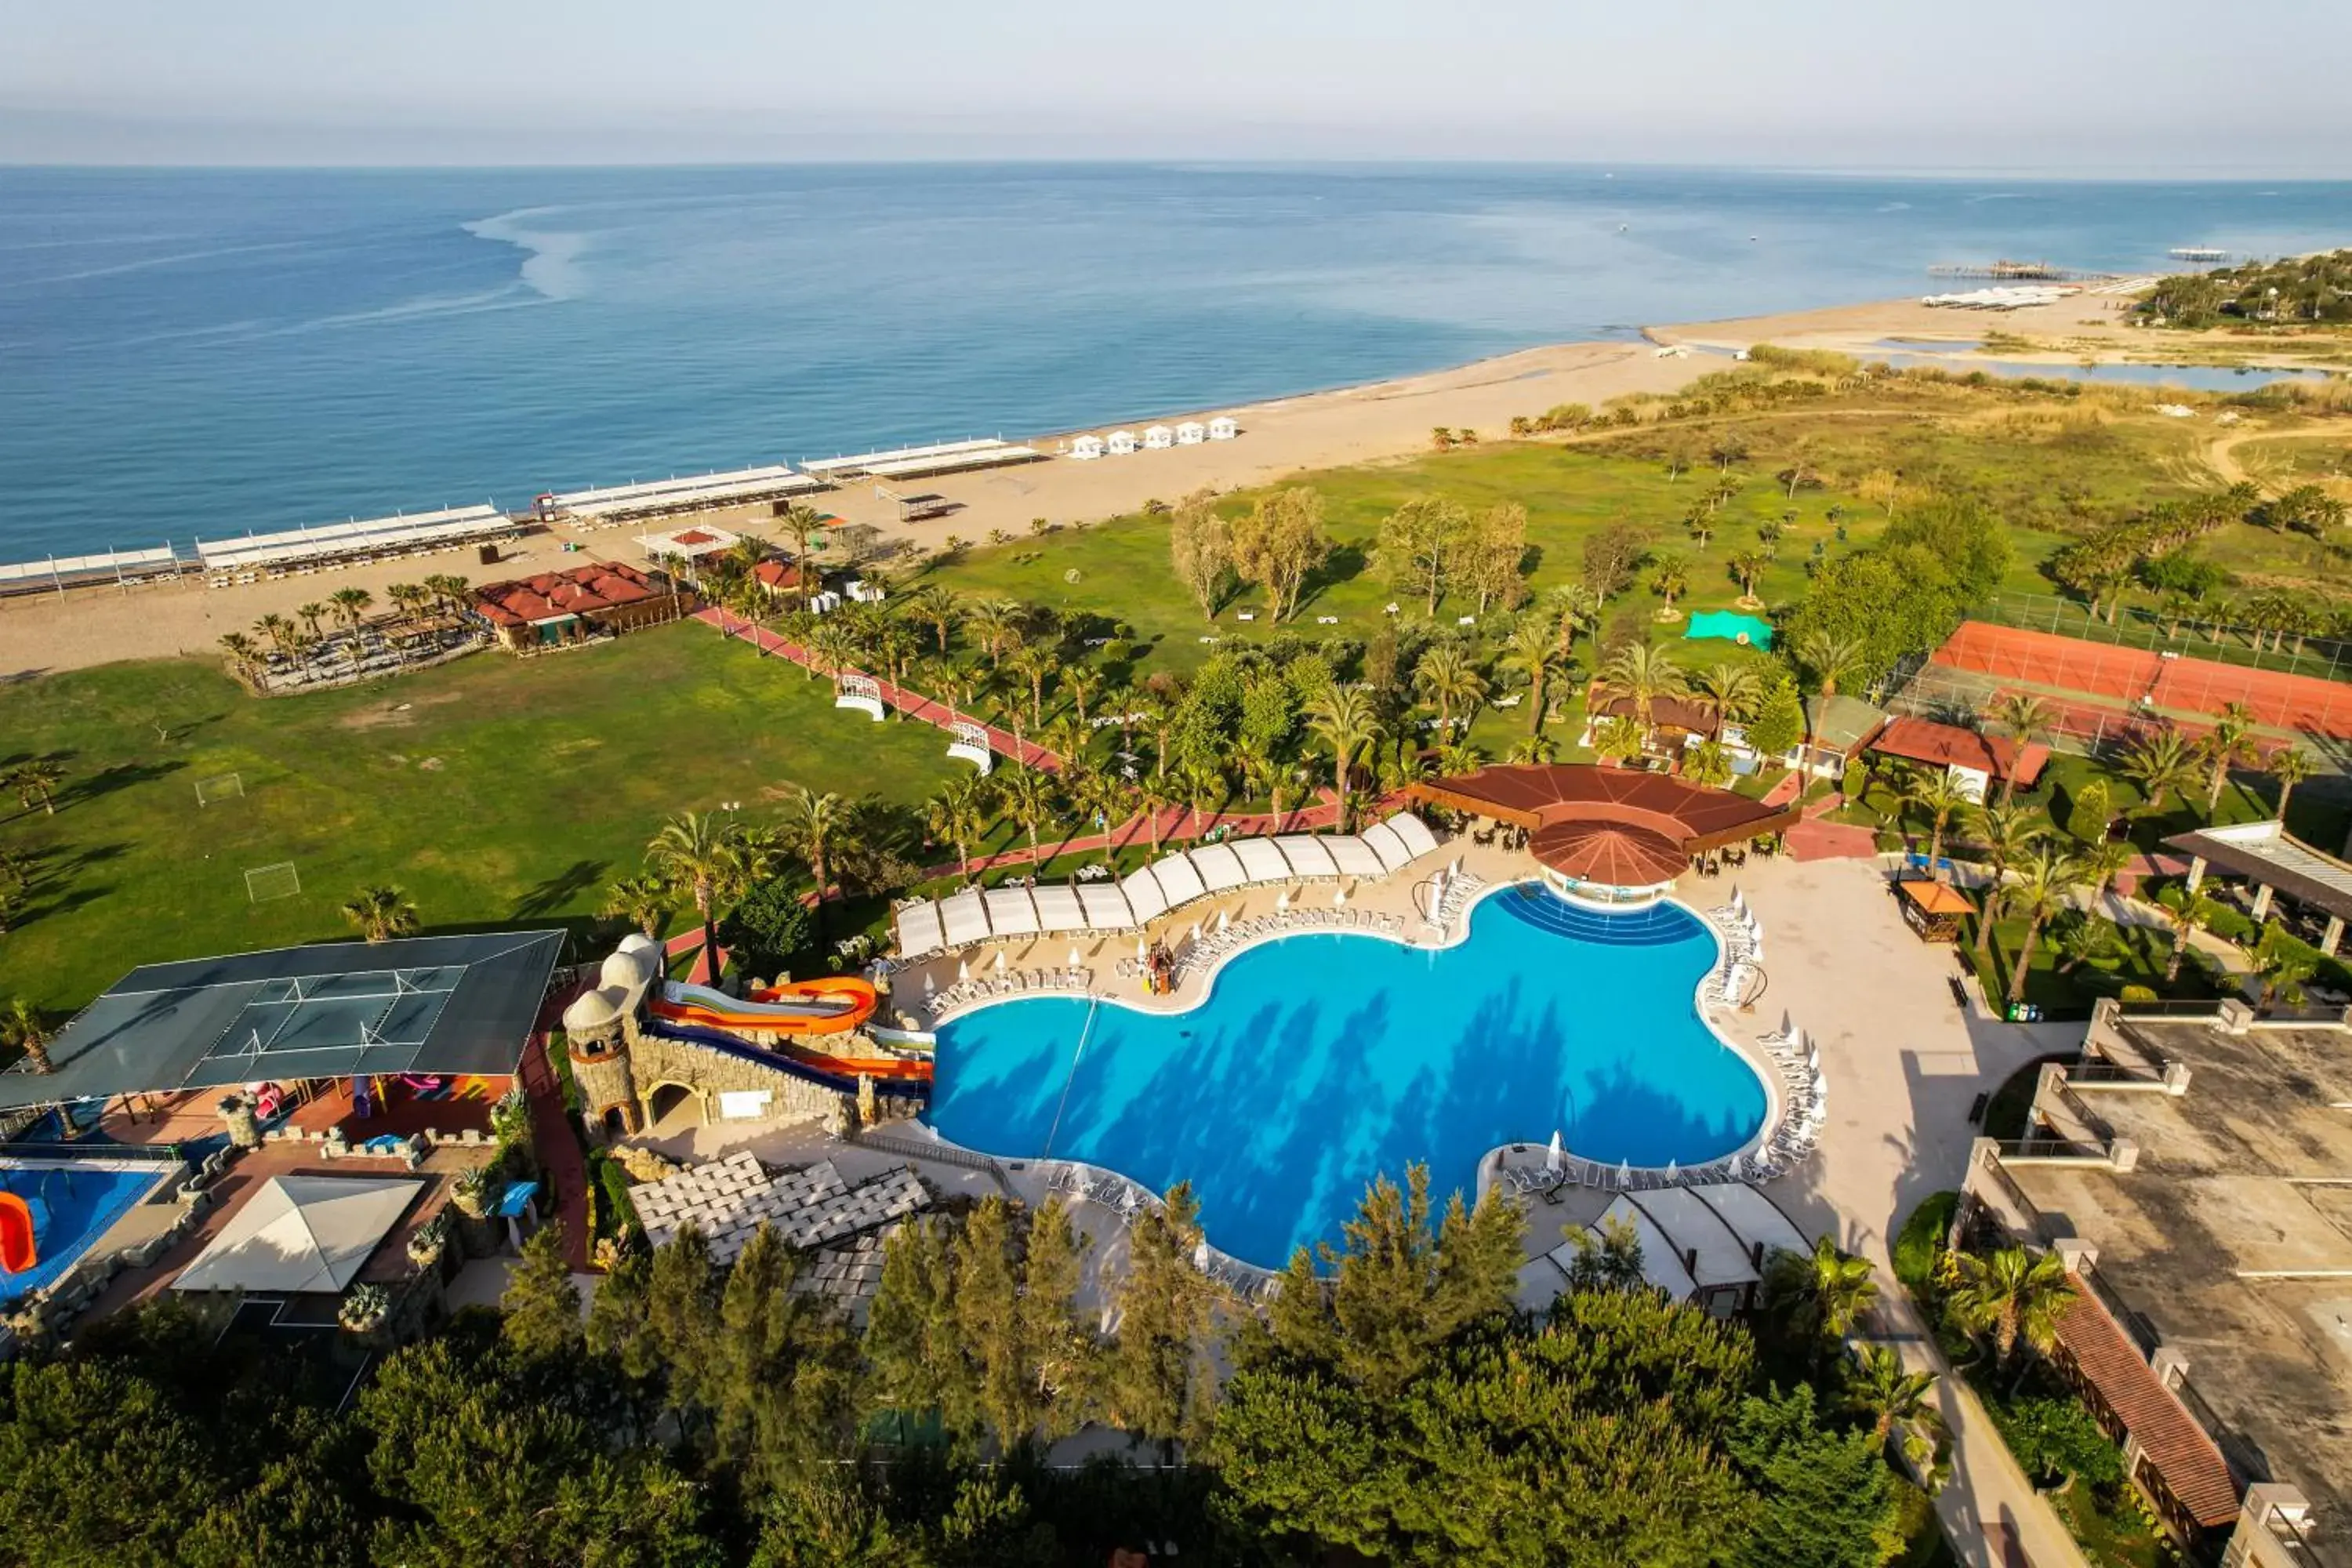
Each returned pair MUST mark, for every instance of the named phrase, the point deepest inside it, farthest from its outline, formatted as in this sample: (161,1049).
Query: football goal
(220,787)
(264,883)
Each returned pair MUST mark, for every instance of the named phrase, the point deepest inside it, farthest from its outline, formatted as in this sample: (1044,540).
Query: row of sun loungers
(1215,945)
(1124,1199)
(1804,1092)
(1543,1181)
(1011,983)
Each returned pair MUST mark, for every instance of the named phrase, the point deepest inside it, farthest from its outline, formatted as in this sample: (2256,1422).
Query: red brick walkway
(561,1165)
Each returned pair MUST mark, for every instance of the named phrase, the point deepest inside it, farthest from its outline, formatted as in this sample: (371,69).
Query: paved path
(560,1162)
(914,704)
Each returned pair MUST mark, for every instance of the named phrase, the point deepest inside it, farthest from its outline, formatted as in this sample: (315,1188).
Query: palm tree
(958,814)
(1821,1293)
(1342,718)
(1031,799)
(1202,785)
(2290,764)
(1534,749)
(1446,678)
(807,829)
(1531,652)
(2195,912)
(1831,657)
(1573,607)
(1894,1400)
(310,615)
(1747,566)
(276,627)
(702,853)
(2014,1295)
(1151,797)
(1032,663)
(2039,894)
(996,626)
(1081,683)
(645,901)
(2159,763)
(382,913)
(1729,691)
(2229,740)
(351,604)
(1707,763)
(2027,718)
(936,606)
(1617,739)
(2006,831)
(806,526)
(241,652)
(1640,674)
(24,1028)
(1667,579)
(37,781)
(1937,793)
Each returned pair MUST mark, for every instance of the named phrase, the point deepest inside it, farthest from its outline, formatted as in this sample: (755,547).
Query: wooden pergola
(1934,910)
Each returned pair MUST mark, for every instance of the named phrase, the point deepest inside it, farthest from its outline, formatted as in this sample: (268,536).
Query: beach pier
(2005,271)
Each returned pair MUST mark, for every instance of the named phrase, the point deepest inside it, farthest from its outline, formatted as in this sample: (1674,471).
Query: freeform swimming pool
(75,1201)
(1318,1061)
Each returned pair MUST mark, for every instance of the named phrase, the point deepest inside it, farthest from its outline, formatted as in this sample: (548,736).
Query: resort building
(358,1087)
(1608,835)
(1837,729)
(1676,724)
(2270,860)
(557,608)
(1975,760)
(2192,1170)
(925,462)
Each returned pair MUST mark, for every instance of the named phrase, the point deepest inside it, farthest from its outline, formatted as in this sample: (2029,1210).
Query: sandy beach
(1376,422)
(1381,420)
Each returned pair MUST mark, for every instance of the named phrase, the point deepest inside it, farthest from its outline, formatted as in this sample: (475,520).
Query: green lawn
(494,791)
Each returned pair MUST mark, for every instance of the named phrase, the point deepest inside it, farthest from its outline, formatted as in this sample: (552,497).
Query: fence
(2323,658)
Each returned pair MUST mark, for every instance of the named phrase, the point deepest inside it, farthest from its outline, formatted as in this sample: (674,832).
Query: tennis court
(2148,679)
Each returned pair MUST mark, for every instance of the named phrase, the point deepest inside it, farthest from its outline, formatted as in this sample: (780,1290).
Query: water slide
(830,1005)
(18,1249)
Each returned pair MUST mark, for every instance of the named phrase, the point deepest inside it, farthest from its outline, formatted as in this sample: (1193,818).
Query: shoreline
(1368,422)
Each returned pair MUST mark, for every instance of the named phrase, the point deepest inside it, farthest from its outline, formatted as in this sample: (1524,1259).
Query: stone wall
(655,1061)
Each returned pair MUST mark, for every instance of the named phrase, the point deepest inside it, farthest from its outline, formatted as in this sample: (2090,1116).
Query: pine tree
(540,1302)
(1159,1386)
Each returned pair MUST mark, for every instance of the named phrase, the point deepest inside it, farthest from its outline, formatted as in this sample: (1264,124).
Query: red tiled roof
(693,536)
(1655,822)
(1675,712)
(2192,1466)
(778,573)
(1948,745)
(597,585)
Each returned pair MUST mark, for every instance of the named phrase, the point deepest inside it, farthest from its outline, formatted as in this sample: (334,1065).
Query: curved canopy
(1615,853)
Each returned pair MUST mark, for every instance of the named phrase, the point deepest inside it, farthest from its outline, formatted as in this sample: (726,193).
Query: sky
(2118,86)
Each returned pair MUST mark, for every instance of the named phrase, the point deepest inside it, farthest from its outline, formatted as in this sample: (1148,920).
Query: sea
(201,354)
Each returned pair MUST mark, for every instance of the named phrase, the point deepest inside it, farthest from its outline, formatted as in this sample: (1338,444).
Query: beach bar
(336,543)
(677,495)
(59,573)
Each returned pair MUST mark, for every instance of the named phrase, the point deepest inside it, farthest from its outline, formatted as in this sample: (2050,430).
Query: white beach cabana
(1191,433)
(1086,448)
(1223,428)
(1119,443)
(1159,438)
(301,1235)
(1221,869)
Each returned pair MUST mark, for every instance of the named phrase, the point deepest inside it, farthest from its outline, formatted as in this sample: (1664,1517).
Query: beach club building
(555,609)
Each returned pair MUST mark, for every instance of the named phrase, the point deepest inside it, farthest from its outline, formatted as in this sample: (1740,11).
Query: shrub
(2053,1436)
(2134,993)
(1922,1237)
(767,928)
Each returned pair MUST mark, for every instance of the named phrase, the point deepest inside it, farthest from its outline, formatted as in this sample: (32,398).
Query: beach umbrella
(1625,1175)
(1000,960)
(1340,897)
(1552,1163)
(1670,1172)
(1076,956)
(1142,950)
(1200,1257)
(1195,935)
(1734,1165)
(1282,900)
(1224,921)
(963,969)
(930,987)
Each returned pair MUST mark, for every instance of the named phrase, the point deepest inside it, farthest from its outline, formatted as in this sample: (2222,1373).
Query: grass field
(493,791)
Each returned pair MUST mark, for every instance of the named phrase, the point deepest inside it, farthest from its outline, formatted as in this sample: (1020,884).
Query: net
(264,883)
(220,787)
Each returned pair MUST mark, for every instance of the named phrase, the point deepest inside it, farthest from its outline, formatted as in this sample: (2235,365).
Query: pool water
(82,1201)
(1320,1060)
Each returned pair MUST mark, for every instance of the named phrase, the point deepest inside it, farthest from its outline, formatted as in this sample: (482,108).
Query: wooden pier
(2018,272)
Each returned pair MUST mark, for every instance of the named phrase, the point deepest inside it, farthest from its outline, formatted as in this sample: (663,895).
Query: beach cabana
(1223,428)
(1119,443)
(1086,448)
(1191,433)
(1159,438)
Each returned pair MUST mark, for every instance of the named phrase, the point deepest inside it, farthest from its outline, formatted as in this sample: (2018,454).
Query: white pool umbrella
(1200,1257)
(1000,960)
(1553,1162)
(963,969)
(1625,1175)
(1195,935)
(930,987)
(1076,958)
(1282,900)
(1142,950)
(1670,1172)
(1224,921)
(1339,898)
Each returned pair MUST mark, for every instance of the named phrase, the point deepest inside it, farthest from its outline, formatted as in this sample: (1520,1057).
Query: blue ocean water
(1320,1061)
(188,352)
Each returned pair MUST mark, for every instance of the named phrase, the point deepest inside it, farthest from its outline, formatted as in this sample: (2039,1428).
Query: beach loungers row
(1009,982)
(1543,1181)
(1804,1092)
(1215,945)
(1124,1199)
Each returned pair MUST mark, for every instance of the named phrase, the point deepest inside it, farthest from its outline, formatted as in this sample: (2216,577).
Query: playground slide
(18,1249)
(829,1005)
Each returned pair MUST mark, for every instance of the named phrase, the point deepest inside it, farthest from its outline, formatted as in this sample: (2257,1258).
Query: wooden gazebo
(1935,910)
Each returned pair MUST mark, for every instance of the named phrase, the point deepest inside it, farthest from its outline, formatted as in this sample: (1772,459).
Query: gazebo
(1934,910)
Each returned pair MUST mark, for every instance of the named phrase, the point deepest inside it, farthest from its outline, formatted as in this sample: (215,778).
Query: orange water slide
(19,1250)
(830,1004)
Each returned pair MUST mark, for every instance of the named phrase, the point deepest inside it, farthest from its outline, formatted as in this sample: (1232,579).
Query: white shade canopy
(301,1234)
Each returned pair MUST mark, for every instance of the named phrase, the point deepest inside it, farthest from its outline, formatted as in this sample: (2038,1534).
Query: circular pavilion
(1615,836)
